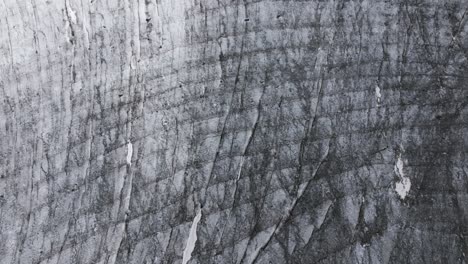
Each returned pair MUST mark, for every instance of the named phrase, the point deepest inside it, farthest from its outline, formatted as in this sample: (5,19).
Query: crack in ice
(71,13)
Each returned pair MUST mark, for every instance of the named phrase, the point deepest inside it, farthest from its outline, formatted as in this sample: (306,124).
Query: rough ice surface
(283,120)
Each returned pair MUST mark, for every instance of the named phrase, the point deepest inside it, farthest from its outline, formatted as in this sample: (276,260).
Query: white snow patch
(378,94)
(192,239)
(129,153)
(399,167)
(403,186)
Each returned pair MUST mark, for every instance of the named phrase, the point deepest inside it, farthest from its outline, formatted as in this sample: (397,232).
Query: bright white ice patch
(378,94)
(129,153)
(192,239)
(403,186)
